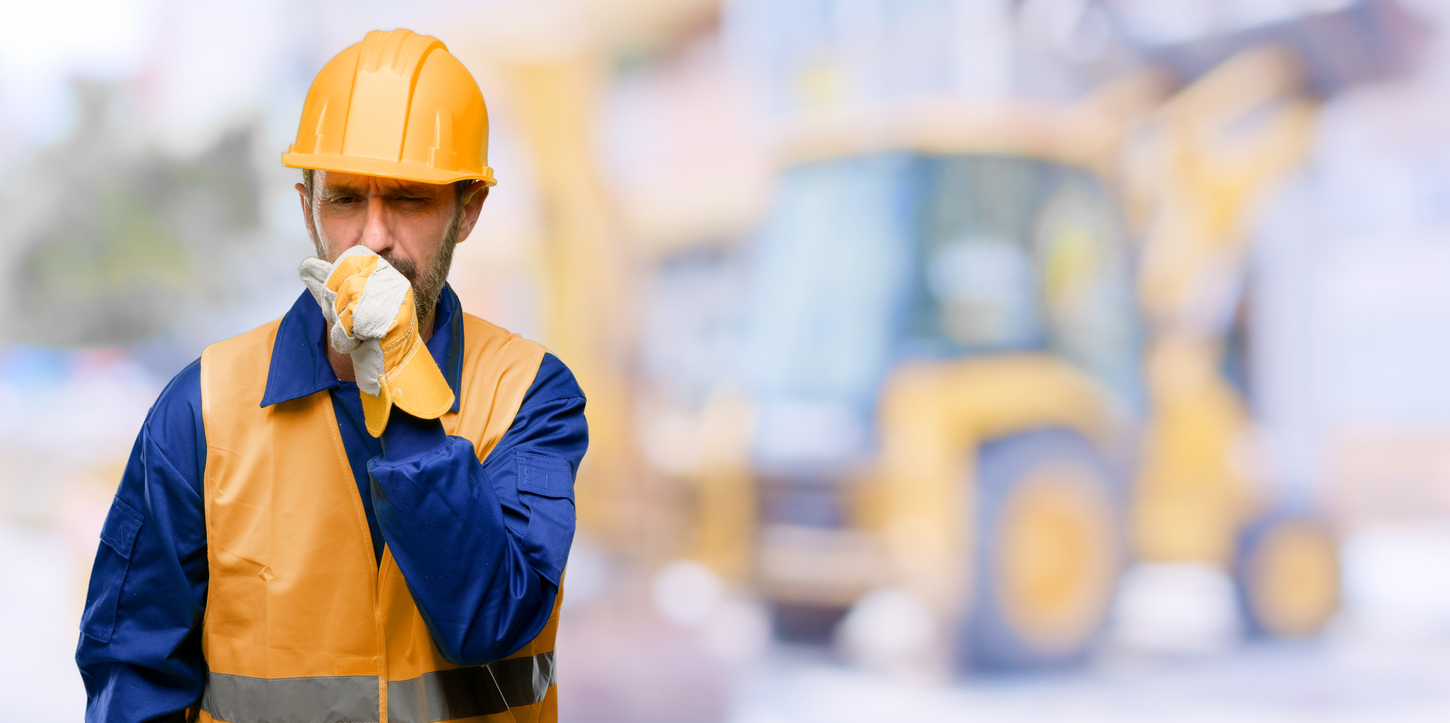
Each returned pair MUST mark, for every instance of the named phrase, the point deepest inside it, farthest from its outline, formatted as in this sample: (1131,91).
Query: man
(360,511)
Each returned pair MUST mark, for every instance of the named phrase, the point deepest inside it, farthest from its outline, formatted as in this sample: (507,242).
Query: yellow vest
(302,625)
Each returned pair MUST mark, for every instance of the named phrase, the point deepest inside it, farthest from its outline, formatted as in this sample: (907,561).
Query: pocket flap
(121,527)
(544,475)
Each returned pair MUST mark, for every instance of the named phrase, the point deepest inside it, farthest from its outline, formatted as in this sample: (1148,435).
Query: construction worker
(360,511)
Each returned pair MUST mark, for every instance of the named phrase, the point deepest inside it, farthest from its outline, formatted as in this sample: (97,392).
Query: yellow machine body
(934,417)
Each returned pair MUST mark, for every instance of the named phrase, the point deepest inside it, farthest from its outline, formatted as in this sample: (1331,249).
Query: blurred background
(946,359)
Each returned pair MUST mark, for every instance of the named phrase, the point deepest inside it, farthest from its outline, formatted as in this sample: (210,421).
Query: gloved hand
(370,306)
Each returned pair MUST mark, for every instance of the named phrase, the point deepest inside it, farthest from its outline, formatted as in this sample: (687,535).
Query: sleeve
(140,647)
(483,546)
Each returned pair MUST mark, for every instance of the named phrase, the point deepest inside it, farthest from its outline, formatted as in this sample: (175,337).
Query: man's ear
(306,211)
(473,199)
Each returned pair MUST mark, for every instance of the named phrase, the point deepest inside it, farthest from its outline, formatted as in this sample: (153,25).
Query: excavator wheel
(1048,553)
(1287,571)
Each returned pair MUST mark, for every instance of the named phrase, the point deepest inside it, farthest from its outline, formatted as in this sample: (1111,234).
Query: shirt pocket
(546,490)
(113,560)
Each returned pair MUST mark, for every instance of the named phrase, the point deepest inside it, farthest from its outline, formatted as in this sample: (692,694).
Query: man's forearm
(472,581)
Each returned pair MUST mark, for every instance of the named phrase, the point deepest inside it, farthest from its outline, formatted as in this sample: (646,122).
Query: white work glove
(370,307)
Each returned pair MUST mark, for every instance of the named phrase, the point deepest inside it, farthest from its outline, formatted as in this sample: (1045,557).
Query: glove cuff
(416,386)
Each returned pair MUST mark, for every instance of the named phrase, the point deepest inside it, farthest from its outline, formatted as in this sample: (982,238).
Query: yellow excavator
(967,380)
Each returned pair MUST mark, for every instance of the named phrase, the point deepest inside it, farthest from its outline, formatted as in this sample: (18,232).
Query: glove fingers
(314,273)
(341,341)
(355,258)
(350,292)
(349,269)
(367,365)
(370,294)
(380,310)
(349,277)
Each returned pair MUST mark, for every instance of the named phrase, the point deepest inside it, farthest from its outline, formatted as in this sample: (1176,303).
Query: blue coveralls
(140,645)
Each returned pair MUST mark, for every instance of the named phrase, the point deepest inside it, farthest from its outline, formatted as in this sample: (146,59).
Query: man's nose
(376,234)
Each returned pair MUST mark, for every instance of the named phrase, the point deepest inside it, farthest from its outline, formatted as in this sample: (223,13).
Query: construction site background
(644,151)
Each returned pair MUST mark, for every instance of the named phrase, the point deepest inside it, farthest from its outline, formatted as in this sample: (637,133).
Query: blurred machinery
(951,389)
(944,353)
(1208,155)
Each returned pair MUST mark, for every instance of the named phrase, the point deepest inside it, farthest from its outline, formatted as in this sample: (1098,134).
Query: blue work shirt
(483,577)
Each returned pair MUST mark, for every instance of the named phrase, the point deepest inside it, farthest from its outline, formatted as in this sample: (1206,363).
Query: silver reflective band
(327,699)
(431,697)
(466,692)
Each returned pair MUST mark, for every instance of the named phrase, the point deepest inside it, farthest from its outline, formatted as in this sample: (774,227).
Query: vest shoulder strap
(234,373)
(499,367)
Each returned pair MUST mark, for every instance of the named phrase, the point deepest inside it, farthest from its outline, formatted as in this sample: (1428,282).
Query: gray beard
(427,285)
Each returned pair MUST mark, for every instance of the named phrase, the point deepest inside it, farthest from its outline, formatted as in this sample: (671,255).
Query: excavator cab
(879,276)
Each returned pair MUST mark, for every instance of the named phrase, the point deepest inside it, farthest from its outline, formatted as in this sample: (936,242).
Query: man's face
(412,225)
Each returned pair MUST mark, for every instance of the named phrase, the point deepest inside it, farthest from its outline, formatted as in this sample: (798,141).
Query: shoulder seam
(570,398)
(510,337)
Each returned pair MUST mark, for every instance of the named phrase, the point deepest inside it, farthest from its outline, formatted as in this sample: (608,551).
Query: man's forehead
(335,180)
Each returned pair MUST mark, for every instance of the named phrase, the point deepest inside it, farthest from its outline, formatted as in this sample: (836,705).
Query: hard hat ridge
(397,105)
(400,50)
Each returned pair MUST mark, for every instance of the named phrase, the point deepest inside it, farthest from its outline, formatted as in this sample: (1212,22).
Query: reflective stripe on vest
(302,623)
(429,698)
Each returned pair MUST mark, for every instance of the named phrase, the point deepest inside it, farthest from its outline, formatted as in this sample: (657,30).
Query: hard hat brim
(402,170)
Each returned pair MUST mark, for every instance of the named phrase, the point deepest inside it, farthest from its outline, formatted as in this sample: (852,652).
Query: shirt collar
(299,359)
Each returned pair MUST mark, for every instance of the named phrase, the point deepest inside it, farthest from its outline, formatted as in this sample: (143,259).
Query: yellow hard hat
(396,105)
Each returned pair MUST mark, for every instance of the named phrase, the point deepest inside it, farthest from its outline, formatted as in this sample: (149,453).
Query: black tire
(1286,573)
(1047,553)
